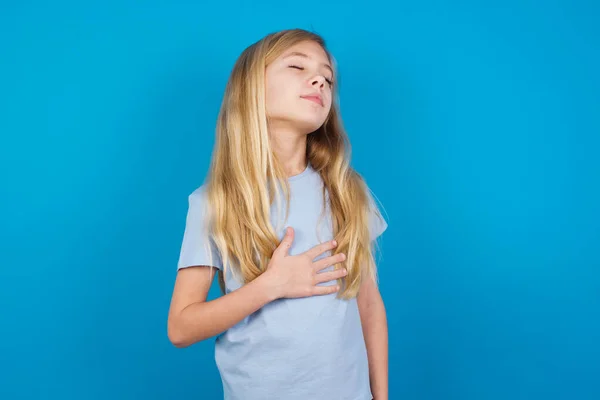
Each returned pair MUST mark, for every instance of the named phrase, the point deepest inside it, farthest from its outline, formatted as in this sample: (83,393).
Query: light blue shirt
(291,349)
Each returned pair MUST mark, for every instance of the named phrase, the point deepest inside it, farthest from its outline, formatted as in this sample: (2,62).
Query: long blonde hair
(245,173)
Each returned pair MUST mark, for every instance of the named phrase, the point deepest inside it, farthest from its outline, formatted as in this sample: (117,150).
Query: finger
(284,247)
(331,275)
(320,248)
(328,261)
(321,290)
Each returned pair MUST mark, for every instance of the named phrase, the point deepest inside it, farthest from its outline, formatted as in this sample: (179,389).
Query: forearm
(202,320)
(375,330)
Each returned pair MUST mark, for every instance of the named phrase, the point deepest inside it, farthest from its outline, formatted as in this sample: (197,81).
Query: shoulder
(198,203)
(199,193)
(377,222)
(198,196)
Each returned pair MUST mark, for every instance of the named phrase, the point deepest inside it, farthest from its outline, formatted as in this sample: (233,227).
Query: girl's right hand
(297,276)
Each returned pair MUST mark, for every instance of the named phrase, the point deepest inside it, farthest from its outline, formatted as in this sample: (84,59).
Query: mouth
(316,99)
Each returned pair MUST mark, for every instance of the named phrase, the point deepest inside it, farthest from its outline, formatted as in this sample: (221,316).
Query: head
(285,82)
(299,80)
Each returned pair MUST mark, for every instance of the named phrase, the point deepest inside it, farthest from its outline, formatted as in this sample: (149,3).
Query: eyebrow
(299,54)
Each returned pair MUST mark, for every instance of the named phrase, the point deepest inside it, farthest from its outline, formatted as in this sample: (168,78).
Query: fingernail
(334,243)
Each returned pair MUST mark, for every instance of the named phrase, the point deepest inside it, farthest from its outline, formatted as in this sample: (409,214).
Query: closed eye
(329,81)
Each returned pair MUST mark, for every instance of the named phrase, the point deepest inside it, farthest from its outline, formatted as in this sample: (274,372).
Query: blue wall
(477,126)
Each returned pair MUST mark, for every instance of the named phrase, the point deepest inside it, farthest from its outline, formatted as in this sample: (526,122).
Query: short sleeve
(197,248)
(377,223)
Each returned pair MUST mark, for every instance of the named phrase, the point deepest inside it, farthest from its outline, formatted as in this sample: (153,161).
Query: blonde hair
(245,173)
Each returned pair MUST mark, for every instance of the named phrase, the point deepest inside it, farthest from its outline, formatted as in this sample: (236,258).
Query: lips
(316,98)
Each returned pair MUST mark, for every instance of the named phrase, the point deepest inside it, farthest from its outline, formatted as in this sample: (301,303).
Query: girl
(300,317)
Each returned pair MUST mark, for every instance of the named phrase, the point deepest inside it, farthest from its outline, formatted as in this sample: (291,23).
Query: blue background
(476,124)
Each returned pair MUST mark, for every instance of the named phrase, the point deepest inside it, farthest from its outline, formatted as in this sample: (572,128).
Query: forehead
(309,48)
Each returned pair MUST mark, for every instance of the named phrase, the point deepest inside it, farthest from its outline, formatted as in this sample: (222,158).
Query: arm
(192,318)
(374,325)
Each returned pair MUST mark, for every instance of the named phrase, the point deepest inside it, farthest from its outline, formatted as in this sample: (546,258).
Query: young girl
(300,317)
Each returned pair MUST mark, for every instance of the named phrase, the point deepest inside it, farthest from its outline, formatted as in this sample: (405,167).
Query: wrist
(269,286)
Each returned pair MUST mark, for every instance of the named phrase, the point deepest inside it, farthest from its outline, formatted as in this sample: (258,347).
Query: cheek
(278,98)
(269,93)
(328,107)
(272,92)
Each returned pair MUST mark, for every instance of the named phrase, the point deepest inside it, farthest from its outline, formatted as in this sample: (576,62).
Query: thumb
(286,243)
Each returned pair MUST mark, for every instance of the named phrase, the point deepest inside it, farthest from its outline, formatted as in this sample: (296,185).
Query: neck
(290,148)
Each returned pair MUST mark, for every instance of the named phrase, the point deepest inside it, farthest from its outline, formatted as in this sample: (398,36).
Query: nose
(318,81)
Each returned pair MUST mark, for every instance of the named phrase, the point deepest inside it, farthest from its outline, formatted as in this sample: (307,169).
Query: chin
(309,128)
(309,125)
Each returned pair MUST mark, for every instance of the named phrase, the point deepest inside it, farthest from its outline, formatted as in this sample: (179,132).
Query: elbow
(176,335)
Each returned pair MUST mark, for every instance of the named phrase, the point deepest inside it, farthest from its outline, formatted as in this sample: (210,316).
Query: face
(299,88)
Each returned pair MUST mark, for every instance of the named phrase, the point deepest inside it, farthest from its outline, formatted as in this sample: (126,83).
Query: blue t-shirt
(291,349)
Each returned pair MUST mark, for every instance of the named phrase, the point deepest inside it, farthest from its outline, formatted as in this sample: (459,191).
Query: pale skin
(299,98)
(374,323)
(286,277)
